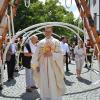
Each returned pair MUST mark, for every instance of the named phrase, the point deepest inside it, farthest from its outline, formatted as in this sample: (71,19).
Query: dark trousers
(11,67)
(21,59)
(66,61)
(89,58)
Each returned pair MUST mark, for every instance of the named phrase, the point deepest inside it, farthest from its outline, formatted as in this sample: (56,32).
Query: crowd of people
(44,62)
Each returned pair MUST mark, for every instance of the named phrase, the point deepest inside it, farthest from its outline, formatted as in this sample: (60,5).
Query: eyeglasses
(48,31)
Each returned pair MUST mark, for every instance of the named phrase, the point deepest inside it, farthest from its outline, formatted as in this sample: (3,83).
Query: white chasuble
(51,75)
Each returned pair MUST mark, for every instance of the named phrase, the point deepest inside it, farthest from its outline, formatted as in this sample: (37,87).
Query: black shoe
(9,80)
(28,90)
(34,87)
(16,70)
(1,87)
(90,66)
(79,78)
(67,70)
(86,66)
(69,62)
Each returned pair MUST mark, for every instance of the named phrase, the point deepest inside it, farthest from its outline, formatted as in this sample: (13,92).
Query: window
(95,19)
(94,2)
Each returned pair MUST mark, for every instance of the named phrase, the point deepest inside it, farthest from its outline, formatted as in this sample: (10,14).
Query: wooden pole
(3,9)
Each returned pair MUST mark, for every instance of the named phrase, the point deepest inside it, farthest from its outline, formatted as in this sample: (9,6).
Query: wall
(95,11)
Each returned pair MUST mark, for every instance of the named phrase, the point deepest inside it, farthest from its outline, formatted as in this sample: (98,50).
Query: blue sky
(73,7)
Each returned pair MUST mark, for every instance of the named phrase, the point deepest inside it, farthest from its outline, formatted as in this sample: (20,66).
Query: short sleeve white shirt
(64,47)
(32,46)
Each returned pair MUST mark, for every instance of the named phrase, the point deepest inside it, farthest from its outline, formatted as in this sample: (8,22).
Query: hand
(84,54)
(38,69)
(47,54)
(28,54)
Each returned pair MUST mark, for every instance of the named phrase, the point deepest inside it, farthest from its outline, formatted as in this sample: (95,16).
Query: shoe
(1,87)
(67,70)
(90,66)
(86,66)
(34,87)
(9,80)
(69,62)
(16,70)
(79,78)
(28,90)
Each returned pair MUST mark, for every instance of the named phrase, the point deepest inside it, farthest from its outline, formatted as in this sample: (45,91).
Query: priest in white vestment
(48,64)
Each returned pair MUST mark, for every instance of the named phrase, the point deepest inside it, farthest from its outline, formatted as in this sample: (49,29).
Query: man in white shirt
(65,49)
(29,50)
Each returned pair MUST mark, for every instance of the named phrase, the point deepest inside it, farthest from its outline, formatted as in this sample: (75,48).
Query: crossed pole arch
(30,28)
(36,28)
(37,25)
(64,25)
(28,34)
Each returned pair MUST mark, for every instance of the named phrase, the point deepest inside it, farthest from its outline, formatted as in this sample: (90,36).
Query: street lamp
(67,4)
(27,3)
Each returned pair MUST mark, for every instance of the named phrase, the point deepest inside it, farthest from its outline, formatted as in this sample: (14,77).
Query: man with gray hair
(29,49)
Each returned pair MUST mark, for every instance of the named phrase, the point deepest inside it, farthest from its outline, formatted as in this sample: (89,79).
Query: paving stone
(86,89)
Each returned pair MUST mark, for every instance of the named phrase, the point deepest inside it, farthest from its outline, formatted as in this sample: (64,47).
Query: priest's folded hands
(38,69)
(48,54)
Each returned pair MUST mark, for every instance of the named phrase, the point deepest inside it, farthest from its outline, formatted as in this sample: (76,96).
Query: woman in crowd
(80,53)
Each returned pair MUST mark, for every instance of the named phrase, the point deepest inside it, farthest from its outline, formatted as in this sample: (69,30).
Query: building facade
(95,11)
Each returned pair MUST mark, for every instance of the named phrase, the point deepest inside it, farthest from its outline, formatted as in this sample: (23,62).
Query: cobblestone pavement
(88,88)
